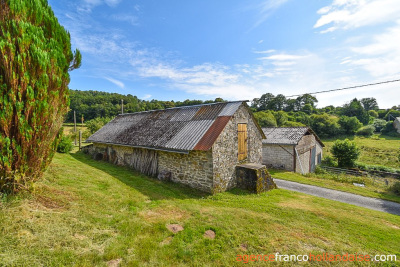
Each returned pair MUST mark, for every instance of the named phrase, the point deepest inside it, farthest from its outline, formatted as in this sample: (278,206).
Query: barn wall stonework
(278,156)
(194,169)
(225,150)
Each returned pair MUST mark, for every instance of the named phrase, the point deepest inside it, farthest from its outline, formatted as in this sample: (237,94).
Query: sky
(237,50)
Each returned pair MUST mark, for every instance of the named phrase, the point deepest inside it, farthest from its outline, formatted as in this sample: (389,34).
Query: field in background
(69,128)
(377,150)
(87,212)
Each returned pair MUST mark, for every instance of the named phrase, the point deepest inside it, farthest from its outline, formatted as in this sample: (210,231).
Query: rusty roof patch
(212,134)
(208,112)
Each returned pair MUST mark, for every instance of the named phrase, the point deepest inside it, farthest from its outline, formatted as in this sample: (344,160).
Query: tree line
(362,117)
(90,105)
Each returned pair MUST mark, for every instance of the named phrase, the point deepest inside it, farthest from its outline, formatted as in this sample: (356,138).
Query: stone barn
(199,146)
(296,149)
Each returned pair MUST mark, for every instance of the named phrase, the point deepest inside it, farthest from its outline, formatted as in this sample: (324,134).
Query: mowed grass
(376,150)
(89,213)
(374,187)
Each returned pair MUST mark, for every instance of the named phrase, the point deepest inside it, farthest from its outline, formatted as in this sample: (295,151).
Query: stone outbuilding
(199,146)
(396,124)
(296,149)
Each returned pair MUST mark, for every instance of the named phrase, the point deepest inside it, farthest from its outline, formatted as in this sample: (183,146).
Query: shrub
(366,131)
(373,113)
(265,119)
(350,125)
(65,145)
(379,124)
(95,124)
(389,129)
(329,161)
(346,152)
(395,188)
(325,125)
(293,124)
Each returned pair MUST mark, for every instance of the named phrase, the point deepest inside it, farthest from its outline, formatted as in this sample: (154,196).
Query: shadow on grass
(154,189)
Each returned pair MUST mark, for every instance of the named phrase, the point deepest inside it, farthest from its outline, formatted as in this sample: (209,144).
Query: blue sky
(177,50)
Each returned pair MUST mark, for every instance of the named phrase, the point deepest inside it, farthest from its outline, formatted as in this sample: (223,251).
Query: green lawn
(86,213)
(377,150)
(376,188)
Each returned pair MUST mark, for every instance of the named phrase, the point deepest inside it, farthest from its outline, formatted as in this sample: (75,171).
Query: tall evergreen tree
(35,57)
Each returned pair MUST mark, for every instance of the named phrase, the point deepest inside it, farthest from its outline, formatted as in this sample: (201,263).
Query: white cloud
(133,20)
(350,14)
(266,8)
(87,5)
(116,82)
(147,96)
(381,57)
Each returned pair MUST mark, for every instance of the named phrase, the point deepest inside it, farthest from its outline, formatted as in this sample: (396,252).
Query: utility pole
(122,106)
(75,126)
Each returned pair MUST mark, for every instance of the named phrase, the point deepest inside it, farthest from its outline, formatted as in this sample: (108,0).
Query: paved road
(366,202)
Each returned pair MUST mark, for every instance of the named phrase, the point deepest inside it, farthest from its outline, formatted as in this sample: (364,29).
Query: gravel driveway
(366,202)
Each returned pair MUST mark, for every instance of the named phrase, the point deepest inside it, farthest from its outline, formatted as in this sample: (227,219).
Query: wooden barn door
(242,138)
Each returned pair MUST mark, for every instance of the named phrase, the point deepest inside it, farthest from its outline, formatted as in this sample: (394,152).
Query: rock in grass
(210,234)
(175,228)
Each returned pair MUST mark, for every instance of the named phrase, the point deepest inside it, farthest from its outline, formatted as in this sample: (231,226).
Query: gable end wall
(225,150)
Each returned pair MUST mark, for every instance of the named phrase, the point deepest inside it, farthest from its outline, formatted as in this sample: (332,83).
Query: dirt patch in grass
(397,227)
(163,214)
(50,203)
(210,234)
(166,241)
(175,228)
(114,263)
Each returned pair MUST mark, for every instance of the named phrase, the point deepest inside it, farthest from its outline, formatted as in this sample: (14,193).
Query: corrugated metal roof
(212,133)
(230,109)
(286,135)
(177,129)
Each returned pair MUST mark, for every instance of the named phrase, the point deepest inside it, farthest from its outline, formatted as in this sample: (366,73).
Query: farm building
(396,124)
(296,149)
(199,146)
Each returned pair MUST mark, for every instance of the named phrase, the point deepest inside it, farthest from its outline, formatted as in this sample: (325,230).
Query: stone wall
(278,156)
(194,169)
(225,150)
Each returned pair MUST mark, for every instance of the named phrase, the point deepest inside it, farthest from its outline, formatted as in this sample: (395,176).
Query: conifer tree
(35,57)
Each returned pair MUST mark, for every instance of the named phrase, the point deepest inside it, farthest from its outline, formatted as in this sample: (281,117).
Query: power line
(346,88)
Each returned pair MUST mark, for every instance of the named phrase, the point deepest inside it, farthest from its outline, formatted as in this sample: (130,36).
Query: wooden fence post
(80,139)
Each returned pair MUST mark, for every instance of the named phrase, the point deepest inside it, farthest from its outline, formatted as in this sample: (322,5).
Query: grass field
(377,150)
(84,213)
